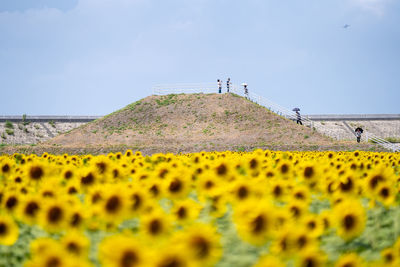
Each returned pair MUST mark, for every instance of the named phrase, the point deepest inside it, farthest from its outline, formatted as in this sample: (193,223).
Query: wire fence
(208,88)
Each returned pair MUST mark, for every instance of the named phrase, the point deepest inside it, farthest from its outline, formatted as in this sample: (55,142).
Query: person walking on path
(219,86)
(358,133)
(298,116)
(228,83)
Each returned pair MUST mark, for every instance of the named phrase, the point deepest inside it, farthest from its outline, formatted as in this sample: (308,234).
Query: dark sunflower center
(302,241)
(67,175)
(175,186)
(309,262)
(154,190)
(258,224)
(53,262)
(36,172)
(326,223)
(3,229)
(253,163)
(48,194)
(311,225)
(88,179)
(137,201)
(155,227)
(5,168)
(73,247)
(284,168)
(374,181)
(242,192)
(72,190)
(113,204)
(222,169)
(269,174)
(299,195)
(384,192)
(201,246)
(349,222)
(389,257)
(295,211)
(31,209)
(55,214)
(209,184)
(96,198)
(11,202)
(129,259)
(277,191)
(182,213)
(347,186)
(76,220)
(308,172)
(171,262)
(101,166)
(283,244)
(162,173)
(330,188)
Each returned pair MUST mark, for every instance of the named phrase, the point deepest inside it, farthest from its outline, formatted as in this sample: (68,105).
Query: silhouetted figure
(358,133)
(298,116)
(228,83)
(246,90)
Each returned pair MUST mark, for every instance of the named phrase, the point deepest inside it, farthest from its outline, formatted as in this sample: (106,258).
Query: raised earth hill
(194,122)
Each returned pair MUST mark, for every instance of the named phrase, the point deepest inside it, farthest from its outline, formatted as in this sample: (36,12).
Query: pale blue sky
(91,57)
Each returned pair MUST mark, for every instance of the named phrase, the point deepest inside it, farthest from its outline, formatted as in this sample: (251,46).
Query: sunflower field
(260,208)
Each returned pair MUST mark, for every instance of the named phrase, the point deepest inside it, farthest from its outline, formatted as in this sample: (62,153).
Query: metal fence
(256,98)
(382,142)
(185,88)
(273,107)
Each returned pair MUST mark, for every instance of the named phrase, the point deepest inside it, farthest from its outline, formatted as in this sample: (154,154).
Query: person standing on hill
(246,90)
(219,86)
(228,83)
(298,121)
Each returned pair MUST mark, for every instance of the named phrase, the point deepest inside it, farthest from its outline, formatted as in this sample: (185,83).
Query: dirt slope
(191,120)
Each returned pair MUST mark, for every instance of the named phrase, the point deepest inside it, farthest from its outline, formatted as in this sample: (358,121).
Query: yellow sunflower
(311,257)
(76,243)
(54,214)
(255,221)
(350,219)
(201,243)
(122,250)
(349,260)
(8,231)
(269,261)
(185,211)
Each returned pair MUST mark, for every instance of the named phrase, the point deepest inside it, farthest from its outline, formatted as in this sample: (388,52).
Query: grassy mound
(192,120)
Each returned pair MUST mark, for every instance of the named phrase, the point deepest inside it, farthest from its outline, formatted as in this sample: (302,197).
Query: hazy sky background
(91,57)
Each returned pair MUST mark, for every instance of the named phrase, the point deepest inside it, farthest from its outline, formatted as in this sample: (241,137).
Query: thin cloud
(377,7)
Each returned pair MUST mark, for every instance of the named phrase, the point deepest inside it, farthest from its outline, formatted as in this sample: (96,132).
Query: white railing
(382,142)
(273,107)
(185,88)
(191,88)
